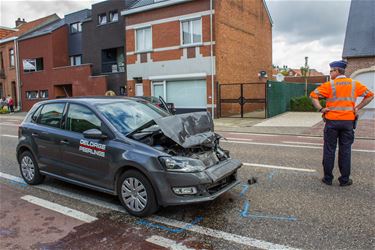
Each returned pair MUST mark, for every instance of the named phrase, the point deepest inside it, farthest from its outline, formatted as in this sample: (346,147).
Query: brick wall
(10,72)
(355,64)
(243,41)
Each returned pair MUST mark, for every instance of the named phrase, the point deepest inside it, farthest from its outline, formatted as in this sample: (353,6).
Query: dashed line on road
(291,146)
(11,136)
(278,167)
(59,208)
(167,243)
(302,143)
(238,239)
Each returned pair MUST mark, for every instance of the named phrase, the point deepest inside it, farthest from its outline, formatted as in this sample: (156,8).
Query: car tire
(137,194)
(29,169)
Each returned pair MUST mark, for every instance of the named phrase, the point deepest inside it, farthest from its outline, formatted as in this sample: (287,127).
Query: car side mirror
(94,134)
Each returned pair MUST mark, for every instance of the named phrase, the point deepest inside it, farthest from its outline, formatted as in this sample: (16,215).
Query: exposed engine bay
(189,135)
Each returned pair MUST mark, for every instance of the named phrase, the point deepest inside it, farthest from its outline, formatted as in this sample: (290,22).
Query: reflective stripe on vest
(341,99)
(366,92)
(341,108)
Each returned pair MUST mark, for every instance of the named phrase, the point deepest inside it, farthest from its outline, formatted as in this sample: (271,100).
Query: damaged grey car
(126,147)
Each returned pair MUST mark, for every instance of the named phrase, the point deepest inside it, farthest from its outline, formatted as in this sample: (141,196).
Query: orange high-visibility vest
(341,95)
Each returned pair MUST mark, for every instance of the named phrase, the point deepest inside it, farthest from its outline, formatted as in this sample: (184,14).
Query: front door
(85,160)
(139,89)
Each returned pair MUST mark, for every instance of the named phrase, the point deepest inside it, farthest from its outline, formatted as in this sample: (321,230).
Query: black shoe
(348,183)
(329,183)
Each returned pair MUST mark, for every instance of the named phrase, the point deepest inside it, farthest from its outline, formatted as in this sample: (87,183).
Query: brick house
(50,67)
(9,56)
(181,49)
(359,45)
(103,36)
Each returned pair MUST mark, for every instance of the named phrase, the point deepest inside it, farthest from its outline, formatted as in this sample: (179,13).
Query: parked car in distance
(158,102)
(126,147)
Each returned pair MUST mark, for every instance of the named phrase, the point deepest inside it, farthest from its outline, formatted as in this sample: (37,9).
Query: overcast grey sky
(313,28)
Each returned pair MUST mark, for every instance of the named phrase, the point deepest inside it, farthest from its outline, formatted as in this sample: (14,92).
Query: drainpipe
(18,78)
(212,65)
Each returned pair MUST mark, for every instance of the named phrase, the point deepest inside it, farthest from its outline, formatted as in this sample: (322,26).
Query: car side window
(80,119)
(51,114)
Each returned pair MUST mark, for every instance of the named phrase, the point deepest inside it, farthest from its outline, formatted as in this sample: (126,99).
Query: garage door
(191,94)
(368,79)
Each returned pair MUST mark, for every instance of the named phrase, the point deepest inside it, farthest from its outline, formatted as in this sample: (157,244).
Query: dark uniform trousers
(343,132)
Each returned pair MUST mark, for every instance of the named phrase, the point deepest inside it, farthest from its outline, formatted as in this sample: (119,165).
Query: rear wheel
(29,169)
(136,194)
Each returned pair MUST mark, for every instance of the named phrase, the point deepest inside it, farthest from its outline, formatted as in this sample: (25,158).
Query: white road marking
(238,239)
(12,136)
(302,143)
(233,133)
(278,167)
(167,243)
(9,124)
(292,146)
(240,139)
(59,208)
(310,137)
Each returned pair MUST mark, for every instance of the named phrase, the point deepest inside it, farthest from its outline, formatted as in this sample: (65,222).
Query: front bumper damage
(210,183)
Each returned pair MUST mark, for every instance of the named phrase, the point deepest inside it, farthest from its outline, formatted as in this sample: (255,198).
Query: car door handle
(35,134)
(64,142)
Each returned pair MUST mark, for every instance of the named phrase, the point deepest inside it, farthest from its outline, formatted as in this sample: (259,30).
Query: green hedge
(303,103)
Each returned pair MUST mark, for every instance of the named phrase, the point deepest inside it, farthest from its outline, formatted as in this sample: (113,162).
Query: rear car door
(85,160)
(47,134)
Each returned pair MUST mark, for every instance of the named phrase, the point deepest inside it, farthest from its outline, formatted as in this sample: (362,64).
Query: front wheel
(29,169)
(136,194)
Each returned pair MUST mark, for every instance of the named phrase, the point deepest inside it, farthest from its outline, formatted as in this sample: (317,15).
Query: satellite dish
(280,77)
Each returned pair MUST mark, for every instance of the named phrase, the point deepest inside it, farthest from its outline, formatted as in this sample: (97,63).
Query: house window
(31,65)
(113,60)
(75,27)
(43,94)
(11,57)
(102,19)
(33,94)
(75,60)
(192,31)
(144,41)
(113,16)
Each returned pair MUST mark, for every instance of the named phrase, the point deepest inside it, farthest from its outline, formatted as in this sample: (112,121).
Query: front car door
(85,160)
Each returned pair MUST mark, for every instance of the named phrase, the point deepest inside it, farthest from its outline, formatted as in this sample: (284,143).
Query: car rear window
(127,116)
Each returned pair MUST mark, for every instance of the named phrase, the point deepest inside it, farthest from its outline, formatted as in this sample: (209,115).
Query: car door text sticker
(92,148)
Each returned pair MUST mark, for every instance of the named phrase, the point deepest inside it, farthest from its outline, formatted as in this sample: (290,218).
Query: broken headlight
(182,164)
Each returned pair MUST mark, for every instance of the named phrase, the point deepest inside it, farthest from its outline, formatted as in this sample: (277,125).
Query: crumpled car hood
(188,130)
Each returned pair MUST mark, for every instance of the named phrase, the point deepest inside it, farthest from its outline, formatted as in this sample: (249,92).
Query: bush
(304,103)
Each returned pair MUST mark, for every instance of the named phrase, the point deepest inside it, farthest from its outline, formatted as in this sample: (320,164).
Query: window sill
(191,45)
(143,51)
(104,24)
(31,72)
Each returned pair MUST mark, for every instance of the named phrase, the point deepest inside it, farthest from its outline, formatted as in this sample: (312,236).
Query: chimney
(19,22)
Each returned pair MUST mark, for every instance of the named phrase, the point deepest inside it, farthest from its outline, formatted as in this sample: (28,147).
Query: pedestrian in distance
(3,102)
(340,115)
(110,93)
(10,104)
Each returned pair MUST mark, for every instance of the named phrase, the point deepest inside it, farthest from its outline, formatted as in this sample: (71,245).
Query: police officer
(340,115)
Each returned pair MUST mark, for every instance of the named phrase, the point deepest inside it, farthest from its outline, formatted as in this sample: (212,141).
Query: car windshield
(128,115)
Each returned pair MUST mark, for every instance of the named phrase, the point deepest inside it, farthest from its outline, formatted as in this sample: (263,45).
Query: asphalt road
(288,206)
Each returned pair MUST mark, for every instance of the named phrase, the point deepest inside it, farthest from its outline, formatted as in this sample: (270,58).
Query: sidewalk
(294,123)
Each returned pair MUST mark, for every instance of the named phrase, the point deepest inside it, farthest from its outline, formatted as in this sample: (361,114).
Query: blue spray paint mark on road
(245,189)
(171,230)
(270,175)
(22,184)
(245,211)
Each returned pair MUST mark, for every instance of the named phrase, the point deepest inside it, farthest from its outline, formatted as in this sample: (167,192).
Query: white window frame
(74,60)
(164,84)
(106,19)
(190,20)
(137,85)
(111,14)
(28,93)
(136,41)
